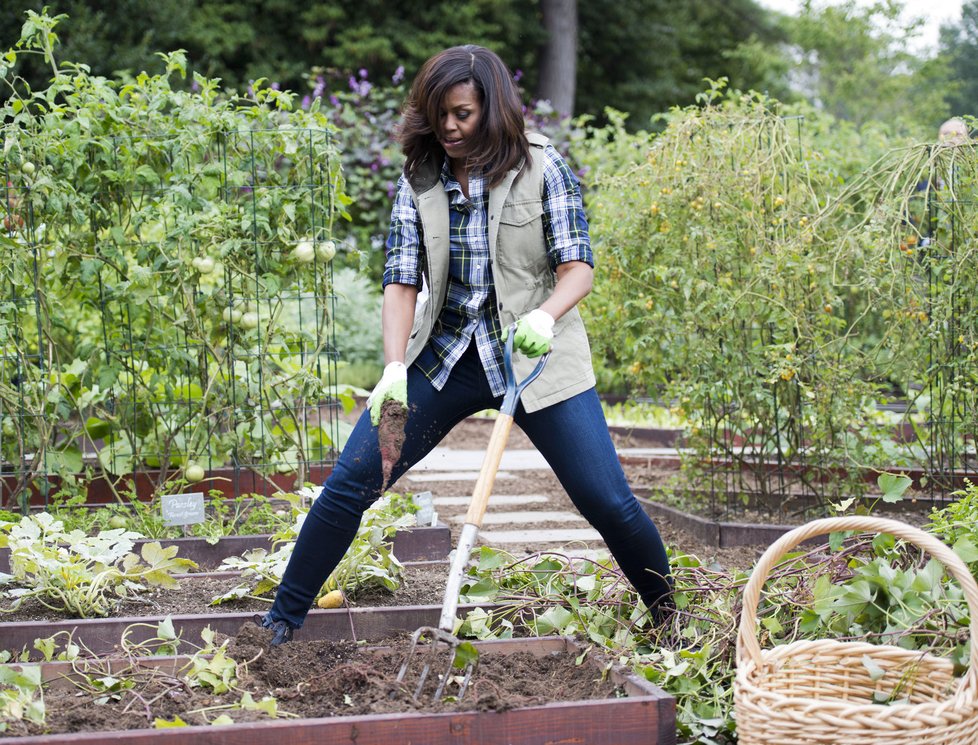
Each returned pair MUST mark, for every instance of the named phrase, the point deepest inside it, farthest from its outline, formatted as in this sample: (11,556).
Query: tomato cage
(813,327)
(166,319)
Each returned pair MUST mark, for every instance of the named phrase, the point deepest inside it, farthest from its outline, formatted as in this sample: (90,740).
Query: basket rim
(749,653)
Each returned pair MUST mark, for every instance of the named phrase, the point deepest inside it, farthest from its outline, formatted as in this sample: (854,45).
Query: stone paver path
(518,522)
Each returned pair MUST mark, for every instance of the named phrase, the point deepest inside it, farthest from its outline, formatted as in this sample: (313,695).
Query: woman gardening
(487,229)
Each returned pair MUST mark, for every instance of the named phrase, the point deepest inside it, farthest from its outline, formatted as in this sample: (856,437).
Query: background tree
(243,40)
(558,57)
(959,48)
(644,56)
(856,63)
(638,56)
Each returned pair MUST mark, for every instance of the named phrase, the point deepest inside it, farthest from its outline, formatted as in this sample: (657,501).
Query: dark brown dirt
(390,434)
(322,679)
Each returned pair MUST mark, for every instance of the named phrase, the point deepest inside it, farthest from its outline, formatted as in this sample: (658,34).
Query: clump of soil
(323,679)
(390,434)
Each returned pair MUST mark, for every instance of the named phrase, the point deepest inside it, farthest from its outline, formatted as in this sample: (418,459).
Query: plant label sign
(182,509)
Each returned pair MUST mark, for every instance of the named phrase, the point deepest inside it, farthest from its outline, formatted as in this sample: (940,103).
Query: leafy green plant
(210,667)
(84,575)
(641,414)
(772,272)
(21,696)
(866,588)
(368,562)
(169,258)
(957,524)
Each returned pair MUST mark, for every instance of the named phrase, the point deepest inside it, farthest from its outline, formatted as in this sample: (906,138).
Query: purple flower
(194,86)
(391,189)
(517,76)
(275,87)
(398,75)
(306,102)
(362,89)
(363,73)
(320,87)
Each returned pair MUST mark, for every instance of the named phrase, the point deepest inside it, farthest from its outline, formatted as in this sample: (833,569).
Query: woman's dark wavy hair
(501,125)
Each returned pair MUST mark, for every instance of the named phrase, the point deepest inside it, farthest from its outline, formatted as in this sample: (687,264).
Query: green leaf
(485,590)
(165,630)
(465,654)
(553,620)
(490,558)
(836,539)
(159,723)
(965,548)
(892,487)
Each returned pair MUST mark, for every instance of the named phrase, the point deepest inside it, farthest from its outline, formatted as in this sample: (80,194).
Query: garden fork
(462,655)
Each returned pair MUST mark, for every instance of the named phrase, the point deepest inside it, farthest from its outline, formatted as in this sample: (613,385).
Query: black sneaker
(282,631)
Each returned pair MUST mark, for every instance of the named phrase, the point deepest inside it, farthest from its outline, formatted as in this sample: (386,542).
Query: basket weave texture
(821,691)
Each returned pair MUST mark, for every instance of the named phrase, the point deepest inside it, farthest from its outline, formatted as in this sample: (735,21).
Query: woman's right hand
(392,386)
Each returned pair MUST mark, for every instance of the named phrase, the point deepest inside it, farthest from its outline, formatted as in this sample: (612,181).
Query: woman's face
(459,123)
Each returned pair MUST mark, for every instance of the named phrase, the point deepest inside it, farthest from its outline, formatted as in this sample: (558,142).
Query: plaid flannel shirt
(470,301)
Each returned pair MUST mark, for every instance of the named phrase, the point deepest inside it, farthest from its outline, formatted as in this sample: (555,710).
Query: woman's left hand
(534,333)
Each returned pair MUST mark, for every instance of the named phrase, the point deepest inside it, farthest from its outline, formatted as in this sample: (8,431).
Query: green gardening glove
(534,333)
(393,385)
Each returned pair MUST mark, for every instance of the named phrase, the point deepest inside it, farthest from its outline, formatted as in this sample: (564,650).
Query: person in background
(953,132)
(488,233)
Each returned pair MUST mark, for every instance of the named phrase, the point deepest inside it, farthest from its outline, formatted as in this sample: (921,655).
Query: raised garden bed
(410,544)
(103,635)
(524,691)
(145,483)
(712,532)
(422,583)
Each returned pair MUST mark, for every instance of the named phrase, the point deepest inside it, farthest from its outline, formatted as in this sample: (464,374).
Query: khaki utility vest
(520,270)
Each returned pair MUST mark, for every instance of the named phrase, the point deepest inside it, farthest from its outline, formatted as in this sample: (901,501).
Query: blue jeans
(572,435)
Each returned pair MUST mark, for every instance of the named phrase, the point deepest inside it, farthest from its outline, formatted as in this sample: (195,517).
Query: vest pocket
(521,213)
(520,243)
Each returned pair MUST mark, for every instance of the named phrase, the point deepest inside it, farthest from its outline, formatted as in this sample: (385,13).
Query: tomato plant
(753,269)
(158,316)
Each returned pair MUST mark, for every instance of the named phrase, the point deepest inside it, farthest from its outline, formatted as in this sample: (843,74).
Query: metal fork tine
(421,680)
(469,669)
(438,636)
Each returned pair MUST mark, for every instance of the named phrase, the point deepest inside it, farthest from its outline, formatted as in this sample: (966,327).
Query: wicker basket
(822,692)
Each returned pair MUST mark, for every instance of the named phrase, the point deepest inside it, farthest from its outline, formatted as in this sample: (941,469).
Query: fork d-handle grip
(490,465)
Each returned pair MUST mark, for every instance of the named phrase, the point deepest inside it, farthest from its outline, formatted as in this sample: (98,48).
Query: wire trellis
(184,323)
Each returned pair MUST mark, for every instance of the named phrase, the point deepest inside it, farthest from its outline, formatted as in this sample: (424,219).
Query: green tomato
(27,168)
(204,264)
(304,252)
(249,320)
(326,250)
(231,315)
(118,521)
(194,472)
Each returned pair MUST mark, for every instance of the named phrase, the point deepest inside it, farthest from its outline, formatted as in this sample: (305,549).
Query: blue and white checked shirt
(470,301)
